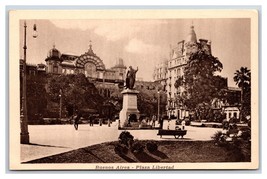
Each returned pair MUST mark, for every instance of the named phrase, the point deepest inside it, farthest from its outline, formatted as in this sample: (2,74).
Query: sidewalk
(47,140)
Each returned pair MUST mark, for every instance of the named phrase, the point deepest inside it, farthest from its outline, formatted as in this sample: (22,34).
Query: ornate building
(179,57)
(160,73)
(88,63)
(173,68)
(108,81)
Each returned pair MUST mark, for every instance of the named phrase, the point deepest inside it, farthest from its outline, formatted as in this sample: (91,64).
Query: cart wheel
(176,136)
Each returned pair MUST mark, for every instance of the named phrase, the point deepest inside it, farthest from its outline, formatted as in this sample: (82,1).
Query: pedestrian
(108,122)
(100,122)
(183,125)
(90,120)
(93,120)
(153,120)
(161,123)
(76,121)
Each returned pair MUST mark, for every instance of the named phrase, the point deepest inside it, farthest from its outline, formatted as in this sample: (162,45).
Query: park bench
(175,133)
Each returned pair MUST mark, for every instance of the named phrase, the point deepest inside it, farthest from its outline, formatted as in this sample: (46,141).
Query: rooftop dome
(54,52)
(90,50)
(192,37)
(119,64)
(90,57)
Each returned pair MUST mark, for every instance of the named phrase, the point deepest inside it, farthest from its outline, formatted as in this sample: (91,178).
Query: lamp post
(60,104)
(24,133)
(158,104)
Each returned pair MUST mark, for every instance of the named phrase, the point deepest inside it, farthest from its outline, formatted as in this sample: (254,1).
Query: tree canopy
(243,80)
(76,91)
(200,82)
(36,96)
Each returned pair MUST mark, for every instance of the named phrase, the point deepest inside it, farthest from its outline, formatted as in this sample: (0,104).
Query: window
(235,114)
(90,69)
(55,69)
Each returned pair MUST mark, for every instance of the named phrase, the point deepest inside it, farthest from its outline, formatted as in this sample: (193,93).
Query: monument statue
(129,112)
(130,77)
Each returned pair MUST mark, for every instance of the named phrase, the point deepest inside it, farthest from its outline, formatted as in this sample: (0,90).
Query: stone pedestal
(129,106)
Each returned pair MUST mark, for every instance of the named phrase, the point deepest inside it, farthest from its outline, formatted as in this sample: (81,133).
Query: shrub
(246,135)
(238,150)
(187,122)
(151,146)
(137,147)
(214,126)
(225,124)
(126,138)
(219,138)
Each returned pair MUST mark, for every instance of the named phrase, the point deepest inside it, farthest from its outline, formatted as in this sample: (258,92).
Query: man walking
(76,121)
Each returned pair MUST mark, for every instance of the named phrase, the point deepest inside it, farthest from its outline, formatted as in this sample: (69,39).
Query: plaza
(47,140)
(81,86)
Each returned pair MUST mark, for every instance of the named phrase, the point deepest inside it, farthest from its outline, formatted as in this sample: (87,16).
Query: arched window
(90,70)
(55,69)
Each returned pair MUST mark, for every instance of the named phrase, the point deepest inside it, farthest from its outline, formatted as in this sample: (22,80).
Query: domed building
(53,61)
(88,63)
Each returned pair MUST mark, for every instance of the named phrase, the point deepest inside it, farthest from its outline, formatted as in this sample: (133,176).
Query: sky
(139,42)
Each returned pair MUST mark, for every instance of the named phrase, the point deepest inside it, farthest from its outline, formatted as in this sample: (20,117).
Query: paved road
(47,140)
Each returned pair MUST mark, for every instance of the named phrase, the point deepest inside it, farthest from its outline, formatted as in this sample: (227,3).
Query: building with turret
(168,71)
(106,80)
(179,56)
(88,63)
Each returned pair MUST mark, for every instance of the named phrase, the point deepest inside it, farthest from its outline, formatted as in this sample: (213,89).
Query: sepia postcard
(133,89)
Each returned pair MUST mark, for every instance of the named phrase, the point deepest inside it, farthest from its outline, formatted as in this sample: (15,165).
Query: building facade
(173,68)
(88,63)
(178,58)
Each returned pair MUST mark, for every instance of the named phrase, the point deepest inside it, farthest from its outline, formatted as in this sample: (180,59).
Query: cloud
(112,30)
(75,24)
(140,47)
(115,30)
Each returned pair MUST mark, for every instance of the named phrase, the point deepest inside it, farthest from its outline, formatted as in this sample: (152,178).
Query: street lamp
(24,133)
(163,83)
(60,104)
(158,104)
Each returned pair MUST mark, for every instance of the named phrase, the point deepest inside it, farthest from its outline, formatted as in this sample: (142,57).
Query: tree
(78,93)
(200,82)
(36,97)
(243,80)
(147,101)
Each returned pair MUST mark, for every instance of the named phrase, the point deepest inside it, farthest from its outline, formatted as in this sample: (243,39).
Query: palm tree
(242,78)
